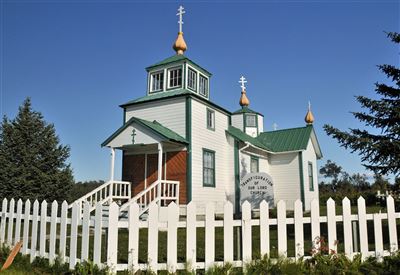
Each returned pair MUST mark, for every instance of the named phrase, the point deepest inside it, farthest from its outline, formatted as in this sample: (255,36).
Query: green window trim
(206,86)
(257,159)
(190,70)
(167,77)
(245,121)
(210,126)
(212,153)
(310,176)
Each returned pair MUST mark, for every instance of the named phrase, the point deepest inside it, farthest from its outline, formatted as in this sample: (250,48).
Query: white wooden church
(178,145)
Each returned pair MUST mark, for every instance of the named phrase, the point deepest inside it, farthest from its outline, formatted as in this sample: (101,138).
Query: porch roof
(153,126)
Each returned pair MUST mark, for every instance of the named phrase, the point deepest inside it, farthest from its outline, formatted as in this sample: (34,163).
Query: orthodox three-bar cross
(242,82)
(180,14)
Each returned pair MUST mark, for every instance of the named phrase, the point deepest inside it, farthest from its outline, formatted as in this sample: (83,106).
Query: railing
(107,192)
(162,192)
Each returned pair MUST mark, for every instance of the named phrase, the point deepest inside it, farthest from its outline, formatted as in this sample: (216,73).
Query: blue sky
(79,60)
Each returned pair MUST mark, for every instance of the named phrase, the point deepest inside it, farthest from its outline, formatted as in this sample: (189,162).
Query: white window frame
(169,77)
(255,120)
(189,69)
(212,112)
(151,81)
(207,86)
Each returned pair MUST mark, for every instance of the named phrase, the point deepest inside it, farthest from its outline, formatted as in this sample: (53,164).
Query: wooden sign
(256,187)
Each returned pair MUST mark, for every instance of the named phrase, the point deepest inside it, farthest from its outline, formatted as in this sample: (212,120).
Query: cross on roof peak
(180,14)
(243,81)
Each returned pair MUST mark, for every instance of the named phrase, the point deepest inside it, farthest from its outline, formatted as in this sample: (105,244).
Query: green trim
(210,111)
(245,120)
(258,163)
(301,178)
(245,109)
(189,149)
(207,95)
(124,117)
(187,84)
(237,177)
(213,154)
(310,182)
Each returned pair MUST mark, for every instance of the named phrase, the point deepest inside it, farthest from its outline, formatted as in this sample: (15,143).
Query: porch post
(112,163)
(159,177)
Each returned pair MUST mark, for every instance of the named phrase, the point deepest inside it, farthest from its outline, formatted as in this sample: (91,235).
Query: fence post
(228,232)
(282,229)
(348,240)
(378,236)
(17,236)
(98,226)
(331,216)
(63,230)
(3,221)
(172,240)
(10,222)
(26,227)
(246,232)
(391,216)
(264,228)
(35,220)
(85,231)
(298,229)
(362,222)
(315,226)
(209,235)
(74,234)
(43,224)
(191,235)
(153,237)
(133,245)
(53,231)
(112,242)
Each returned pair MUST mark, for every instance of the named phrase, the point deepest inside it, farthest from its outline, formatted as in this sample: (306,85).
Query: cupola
(249,121)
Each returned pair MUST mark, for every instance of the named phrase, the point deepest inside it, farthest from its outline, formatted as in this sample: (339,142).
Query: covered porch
(153,161)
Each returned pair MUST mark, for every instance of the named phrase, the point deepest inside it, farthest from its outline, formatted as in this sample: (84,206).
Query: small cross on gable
(243,81)
(133,136)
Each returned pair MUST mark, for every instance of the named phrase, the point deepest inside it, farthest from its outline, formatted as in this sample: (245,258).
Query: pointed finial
(180,45)
(309,119)
(244,101)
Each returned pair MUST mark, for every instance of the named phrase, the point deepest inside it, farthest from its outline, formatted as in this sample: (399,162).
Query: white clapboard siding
(25,235)
(11,222)
(3,223)
(298,229)
(35,239)
(43,224)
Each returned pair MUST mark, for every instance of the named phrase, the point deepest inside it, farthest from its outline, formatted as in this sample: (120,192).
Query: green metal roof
(158,95)
(177,58)
(293,139)
(246,110)
(155,126)
(240,135)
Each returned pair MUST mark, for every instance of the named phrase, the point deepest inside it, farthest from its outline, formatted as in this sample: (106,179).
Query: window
(203,86)
(192,79)
(310,176)
(254,168)
(175,77)
(251,121)
(157,81)
(210,119)
(208,168)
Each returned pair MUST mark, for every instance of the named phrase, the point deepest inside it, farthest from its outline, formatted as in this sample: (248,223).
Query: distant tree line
(337,184)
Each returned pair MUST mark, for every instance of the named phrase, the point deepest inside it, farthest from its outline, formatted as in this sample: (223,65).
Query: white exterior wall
(260,124)
(309,156)
(170,113)
(237,121)
(142,135)
(244,163)
(285,172)
(224,157)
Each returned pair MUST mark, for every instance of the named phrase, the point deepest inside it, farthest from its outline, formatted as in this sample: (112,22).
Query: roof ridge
(280,130)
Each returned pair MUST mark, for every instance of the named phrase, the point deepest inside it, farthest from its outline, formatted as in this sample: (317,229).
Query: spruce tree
(380,152)
(32,162)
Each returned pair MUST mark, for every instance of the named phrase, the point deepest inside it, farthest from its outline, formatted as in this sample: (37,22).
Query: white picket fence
(55,235)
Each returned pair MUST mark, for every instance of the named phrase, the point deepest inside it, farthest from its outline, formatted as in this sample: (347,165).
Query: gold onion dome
(244,101)
(180,45)
(309,119)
